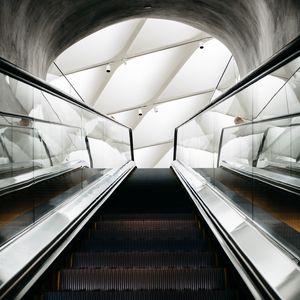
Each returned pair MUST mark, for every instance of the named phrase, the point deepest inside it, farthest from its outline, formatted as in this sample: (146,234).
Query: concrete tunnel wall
(33,32)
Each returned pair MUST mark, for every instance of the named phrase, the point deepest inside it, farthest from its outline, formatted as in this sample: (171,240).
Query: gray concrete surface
(34,32)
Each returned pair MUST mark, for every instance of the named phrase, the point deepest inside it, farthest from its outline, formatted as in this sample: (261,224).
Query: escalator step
(142,295)
(139,279)
(148,234)
(156,224)
(117,217)
(143,260)
(144,245)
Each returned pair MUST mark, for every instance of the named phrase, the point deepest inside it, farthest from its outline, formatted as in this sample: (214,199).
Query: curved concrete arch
(33,33)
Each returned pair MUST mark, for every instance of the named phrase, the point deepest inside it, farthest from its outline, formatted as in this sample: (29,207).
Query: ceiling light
(140,112)
(7,79)
(147,6)
(108,68)
(201,45)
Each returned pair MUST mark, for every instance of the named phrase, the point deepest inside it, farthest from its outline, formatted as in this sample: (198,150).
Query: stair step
(139,279)
(142,295)
(150,217)
(148,234)
(144,245)
(143,260)
(148,225)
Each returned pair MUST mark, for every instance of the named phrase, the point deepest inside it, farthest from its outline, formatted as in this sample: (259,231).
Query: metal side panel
(22,181)
(263,256)
(287,182)
(24,251)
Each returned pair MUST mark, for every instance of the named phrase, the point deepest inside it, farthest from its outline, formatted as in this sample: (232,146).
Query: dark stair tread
(144,245)
(144,260)
(116,217)
(150,234)
(142,295)
(139,279)
(148,224)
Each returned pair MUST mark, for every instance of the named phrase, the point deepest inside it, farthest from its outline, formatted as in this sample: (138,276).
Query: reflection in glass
(248,147)
(50,150)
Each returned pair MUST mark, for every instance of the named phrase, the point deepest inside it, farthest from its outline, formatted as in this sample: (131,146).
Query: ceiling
(33,33)
(157,68)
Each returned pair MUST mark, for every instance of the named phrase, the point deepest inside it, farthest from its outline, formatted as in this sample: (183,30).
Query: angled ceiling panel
(159,127)
(97,48)
(139,80)
(128,118)
(88,83)
(157,34)
(201,72)
(149,157)
(166,160)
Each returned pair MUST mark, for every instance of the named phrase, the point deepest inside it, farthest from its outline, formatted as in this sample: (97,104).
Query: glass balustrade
(248,148)
(50,150)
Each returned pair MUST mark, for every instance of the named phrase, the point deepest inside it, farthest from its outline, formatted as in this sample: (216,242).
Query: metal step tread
(148,234)
(143,260)
(148,224)
(139,279)
(144,245)
(142,295)
(178,216)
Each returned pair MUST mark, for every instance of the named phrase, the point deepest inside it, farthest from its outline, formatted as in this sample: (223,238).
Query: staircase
(142,256)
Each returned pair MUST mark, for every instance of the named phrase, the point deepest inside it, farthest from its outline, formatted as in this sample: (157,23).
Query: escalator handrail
(282,57)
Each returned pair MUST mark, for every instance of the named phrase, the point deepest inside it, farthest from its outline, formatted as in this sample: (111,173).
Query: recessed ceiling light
(7,79)
(147,6)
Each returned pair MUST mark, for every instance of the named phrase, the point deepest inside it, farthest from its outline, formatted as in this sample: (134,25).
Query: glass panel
(248,147)
(50,150)
(229,78)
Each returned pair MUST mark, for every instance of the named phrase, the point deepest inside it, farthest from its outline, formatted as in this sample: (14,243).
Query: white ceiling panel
(157,34)
(166,160)
(149,157)
(128,118)
(159,127)
(88,83)
(97,48)
(201,72)
(139,80)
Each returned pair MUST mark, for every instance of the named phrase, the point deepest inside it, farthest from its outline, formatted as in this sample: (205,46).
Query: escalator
(146,242)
